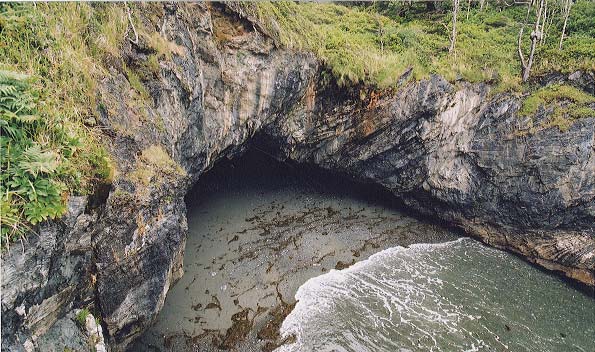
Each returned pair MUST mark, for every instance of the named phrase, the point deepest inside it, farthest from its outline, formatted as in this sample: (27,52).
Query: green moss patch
(568,104)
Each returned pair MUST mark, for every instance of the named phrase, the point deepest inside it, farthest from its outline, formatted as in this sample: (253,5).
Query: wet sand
(258,231)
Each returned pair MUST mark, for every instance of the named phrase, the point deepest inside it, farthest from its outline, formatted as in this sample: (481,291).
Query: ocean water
(454,296)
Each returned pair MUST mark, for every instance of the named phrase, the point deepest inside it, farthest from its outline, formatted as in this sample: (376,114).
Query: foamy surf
(454,296)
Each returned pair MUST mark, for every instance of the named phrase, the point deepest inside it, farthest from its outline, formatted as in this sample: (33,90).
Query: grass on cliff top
(48,69)
(377,43)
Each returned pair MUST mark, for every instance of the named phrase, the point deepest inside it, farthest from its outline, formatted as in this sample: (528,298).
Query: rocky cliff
(453,151)
(459,153)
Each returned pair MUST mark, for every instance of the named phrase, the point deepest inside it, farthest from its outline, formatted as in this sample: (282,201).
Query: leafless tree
(381,32)
(535,38)
(129,13)
(542,30)
(566,12)
(453,37)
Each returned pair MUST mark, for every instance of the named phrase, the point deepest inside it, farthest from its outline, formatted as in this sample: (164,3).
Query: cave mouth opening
(258,229)
(258,169)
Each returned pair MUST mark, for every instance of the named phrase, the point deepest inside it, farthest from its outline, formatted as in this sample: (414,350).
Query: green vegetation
(163,48)
(157,157)
(51,56)
(568,104)
(136,83)
(47,151)
(377,43)
(154,162)
(81,316)
(42,159)
(553,93)
(579,46)
(30,188)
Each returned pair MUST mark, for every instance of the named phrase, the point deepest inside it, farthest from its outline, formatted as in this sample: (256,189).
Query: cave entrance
(258,229)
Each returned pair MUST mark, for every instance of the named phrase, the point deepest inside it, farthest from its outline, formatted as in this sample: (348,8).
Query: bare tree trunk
(520,42)
(542,31)
(468,8)
(535,37)
(567,7)
(380,33)
(453,37)
(129,13)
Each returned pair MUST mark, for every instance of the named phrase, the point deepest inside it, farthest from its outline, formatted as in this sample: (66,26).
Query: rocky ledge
(455,151)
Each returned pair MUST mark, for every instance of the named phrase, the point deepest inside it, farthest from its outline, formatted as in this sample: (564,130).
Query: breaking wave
(454,296)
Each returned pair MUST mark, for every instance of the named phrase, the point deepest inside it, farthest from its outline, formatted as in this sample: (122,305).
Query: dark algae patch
(270,332)
(241,326)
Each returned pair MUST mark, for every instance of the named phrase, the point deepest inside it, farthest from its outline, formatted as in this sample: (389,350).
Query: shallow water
(455,296)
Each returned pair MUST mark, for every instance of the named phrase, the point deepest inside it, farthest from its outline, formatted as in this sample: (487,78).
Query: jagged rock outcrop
(452,151)
(211,99)
(44,277)
(225,82)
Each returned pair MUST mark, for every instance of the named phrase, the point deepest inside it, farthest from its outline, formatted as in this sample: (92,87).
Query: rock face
(453,151)
(42,278)
(460,154)
(208,101)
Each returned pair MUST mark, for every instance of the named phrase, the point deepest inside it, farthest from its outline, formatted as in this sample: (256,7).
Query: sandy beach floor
(257,233)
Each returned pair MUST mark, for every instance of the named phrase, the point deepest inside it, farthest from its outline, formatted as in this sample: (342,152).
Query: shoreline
(250,247)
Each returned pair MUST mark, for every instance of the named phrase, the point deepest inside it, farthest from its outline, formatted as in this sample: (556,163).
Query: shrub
(81,316)
(554,93)
(32,151)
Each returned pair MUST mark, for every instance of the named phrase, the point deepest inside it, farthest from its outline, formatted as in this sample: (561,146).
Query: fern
(30,186)
(46,152)
(36,161)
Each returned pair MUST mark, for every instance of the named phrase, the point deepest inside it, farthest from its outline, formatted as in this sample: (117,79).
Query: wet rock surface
(452,151)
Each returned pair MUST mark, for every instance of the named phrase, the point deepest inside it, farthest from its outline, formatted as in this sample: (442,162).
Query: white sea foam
(458,295)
